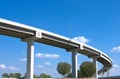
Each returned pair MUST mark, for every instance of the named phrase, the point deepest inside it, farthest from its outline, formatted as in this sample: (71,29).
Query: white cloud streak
(3,66)
(52,56)
(116,49)
(115,70)
(81,39)
(12,68)
(23,59)
(116,66)
(47,63)
(39,66)
(41,55)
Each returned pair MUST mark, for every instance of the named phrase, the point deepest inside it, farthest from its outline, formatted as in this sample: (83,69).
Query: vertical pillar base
(95,63)
(108,74)
(74,64)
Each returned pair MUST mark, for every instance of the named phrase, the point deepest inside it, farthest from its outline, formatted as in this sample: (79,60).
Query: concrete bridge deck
(30,35)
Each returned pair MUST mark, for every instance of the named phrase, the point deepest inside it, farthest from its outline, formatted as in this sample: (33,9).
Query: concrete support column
(95,63)
(74,64)
(30,59)
(108,74)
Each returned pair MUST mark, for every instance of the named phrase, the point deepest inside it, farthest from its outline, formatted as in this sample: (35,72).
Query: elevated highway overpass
(31,34)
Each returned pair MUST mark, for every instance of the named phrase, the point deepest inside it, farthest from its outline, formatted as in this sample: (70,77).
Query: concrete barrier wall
(52,78)
(8,78)
(112,77)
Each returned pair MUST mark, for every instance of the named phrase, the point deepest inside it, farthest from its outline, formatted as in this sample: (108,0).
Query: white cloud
(12,68)
(41,55)
(2,66)
(81,39)
(115,70)
(23,59)
(116,66)
(116,49)
(8,68)
(39,66)
(47,63)
(52,56)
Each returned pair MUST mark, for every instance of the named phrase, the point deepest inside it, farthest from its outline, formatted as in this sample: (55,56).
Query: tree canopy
(11,75)
(63,68)
(18,75)
(43,75)
(5,75)
(87,69)
(15,75)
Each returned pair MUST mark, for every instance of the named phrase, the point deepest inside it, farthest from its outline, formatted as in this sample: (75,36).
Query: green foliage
(12,75)
(43,75)
(5,75)
(18,75)
(15,75)
(87,69)
(63,68)
(70,75)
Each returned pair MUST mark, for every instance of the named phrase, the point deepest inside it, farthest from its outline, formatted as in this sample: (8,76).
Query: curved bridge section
(27,33)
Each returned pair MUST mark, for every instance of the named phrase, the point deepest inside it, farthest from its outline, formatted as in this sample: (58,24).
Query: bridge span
(31,34)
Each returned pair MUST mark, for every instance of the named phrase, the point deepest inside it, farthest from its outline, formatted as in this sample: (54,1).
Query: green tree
(70,75)
(5,75)
(15,75)
(43,75)
(87,69)
(12,75)
(63,68)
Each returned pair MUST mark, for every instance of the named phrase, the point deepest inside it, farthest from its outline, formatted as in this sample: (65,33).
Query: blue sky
(94,22)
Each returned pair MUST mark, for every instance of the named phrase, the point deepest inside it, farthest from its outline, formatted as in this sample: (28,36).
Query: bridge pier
(30,58)
(74,64)
(95,63)
(108,73)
